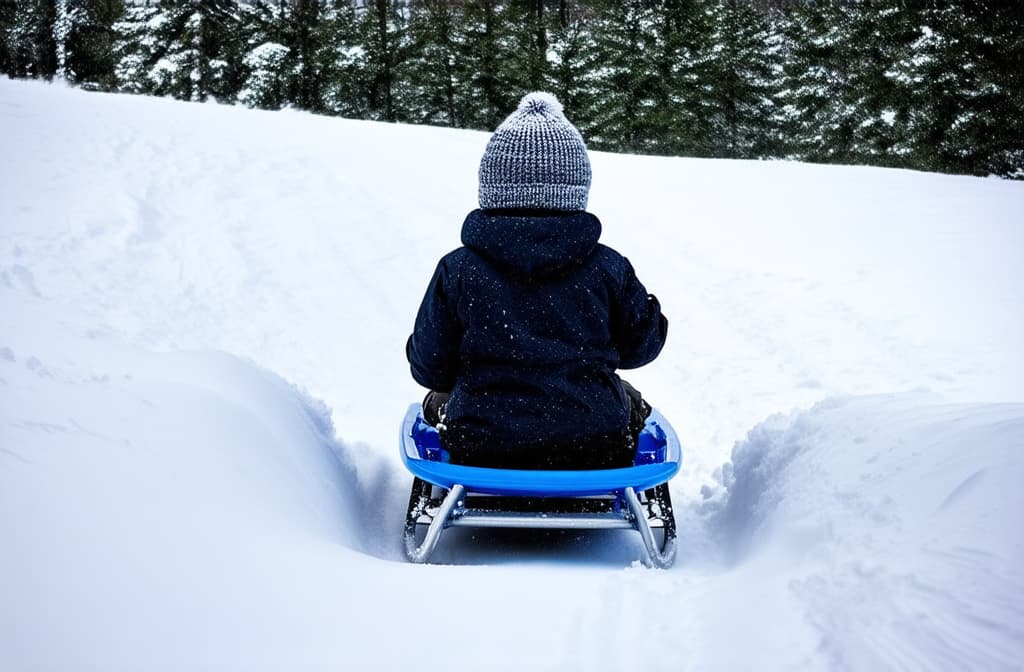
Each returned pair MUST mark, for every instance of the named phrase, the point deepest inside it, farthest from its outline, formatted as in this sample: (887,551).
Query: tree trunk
(387,71)
(307,14)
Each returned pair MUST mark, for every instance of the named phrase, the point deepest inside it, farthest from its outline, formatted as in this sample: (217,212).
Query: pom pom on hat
(540,102)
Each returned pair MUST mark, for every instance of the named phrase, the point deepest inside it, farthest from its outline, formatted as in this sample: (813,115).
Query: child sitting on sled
(522,329)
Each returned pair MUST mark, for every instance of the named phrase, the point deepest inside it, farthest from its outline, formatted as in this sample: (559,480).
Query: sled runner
(451,495)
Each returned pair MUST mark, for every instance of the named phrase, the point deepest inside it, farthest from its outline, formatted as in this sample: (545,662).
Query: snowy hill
(202,318)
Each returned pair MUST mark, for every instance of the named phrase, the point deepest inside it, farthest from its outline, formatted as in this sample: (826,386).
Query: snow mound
(895,520)
(140,487)
(204,438)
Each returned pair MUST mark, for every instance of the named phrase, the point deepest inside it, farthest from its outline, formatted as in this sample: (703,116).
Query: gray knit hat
(536,159)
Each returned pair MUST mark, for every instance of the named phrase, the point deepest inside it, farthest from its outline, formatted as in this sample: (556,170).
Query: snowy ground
(190,293)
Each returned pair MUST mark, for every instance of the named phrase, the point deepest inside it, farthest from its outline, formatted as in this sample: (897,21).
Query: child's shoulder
(607,252)
(610,257)
(453,264)
(458,256)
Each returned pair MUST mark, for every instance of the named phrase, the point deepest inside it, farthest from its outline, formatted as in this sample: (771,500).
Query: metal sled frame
(448,495)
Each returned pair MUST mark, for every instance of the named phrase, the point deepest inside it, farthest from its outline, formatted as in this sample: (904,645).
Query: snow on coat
(526,325)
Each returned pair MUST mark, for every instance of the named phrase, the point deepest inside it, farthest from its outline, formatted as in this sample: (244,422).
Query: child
(521,329)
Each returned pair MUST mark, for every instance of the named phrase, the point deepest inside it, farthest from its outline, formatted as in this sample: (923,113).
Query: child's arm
(638,328)
(433,348)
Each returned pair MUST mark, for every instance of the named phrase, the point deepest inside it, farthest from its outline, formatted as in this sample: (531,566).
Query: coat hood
(532,244)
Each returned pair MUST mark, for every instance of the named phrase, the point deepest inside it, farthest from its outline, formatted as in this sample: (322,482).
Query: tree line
(929,85)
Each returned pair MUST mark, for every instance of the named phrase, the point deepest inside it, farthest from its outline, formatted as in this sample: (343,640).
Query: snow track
(202,318)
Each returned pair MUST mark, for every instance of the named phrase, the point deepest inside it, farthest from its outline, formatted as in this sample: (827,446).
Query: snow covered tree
(1000,45)
(816,105)
(344,61)
(931,85)
(624,76)
(63,19)
(83,36)
(265,68)
(963,73)
(570,61)
(469,62)
(30,46)
(739,81)
(137,48)
(680,111)
(489,62)
(295,54)
(182,49)
(383,34)
(645,63)
(527,37)
(266,79)
(7,14)
(305,42)
(879,104)
(434,78)
(905,84)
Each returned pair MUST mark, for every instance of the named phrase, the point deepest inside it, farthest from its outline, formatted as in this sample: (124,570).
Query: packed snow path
(845,341)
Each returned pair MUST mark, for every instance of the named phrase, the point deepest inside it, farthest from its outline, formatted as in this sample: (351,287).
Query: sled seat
(657,460)
(453,495)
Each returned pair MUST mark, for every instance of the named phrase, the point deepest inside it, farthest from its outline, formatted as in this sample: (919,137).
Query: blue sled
(452,495)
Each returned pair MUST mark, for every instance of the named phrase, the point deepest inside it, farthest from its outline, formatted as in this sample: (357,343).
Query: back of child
(522,329)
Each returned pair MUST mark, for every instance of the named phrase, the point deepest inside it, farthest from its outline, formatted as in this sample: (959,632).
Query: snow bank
(140,488)
(895,521)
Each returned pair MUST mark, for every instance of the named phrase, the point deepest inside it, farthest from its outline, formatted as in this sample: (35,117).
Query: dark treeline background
(930,85)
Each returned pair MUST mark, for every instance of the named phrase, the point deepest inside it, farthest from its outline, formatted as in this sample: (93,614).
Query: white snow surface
(203,312)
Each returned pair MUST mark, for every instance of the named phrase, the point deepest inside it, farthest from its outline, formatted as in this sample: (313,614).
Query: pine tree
(942,75)
(938,86)
(30,44)
(344,61)
(383,33)
(300,54)
(434,43)
(83,35)
(137,48)
(880,37)
(524,41)
(187,50)
(303,38)
(645,60)
(489,64)
(1001,51)
(625,76)
(739,81)
(964,71)
(569,54)
(680,114)
(818,116)
(265,70)
(8,11)
(64,17)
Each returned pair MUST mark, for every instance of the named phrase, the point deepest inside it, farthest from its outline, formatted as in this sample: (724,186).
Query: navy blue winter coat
(525,326)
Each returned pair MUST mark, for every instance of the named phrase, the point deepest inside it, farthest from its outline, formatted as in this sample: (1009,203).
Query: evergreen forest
(935,86)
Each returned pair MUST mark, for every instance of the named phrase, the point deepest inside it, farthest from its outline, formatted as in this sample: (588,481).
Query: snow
(202,318)
(890,518)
